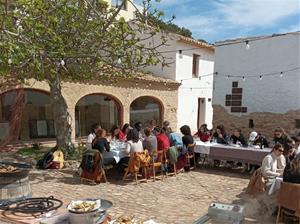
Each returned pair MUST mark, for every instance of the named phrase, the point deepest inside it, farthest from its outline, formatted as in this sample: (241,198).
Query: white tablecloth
(117,151)
(202,147)
(275,185)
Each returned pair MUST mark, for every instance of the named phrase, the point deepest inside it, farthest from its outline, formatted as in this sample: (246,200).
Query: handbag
(257,183)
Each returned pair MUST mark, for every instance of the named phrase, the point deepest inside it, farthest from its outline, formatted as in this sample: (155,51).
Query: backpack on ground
(46,161)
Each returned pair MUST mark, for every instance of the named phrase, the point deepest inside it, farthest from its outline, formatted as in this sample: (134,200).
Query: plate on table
(84,206)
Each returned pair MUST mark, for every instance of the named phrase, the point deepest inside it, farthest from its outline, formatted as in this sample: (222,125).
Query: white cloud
(256,13)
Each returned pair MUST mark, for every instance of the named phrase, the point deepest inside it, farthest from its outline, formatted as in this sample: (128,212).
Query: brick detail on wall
(264,122)
(234,100)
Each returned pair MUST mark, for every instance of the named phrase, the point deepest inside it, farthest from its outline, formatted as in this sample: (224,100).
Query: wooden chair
(134,161)
(288,198)
(157,164)
(191,155)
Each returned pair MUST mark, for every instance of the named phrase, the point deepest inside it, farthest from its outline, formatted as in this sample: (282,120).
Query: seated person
(150,142)
(281,137)
(238,138)
(95,127)
(134,142)
(270,168)
(101,144)
(203,133)
(296,140)
(134,145)
(115,132)
(220,135)
(261,141)
(187,137)
(292,173)
(175,139)
(123,133)
(162,139)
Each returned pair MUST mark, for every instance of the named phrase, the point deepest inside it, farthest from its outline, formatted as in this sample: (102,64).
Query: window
(195,65)
(37,120)
(144,109)
(297,123)
(96,108)
(251,123)
(116,3)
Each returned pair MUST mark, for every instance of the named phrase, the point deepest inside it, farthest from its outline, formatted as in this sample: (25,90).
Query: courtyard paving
(175,200)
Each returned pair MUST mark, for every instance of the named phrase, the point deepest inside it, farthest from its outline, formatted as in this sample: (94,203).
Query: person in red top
(123,133)
(163,142)
(203,133)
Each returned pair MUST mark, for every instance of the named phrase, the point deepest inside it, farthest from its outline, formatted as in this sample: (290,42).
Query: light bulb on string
(260,77)
(9,61)
(227,77)
(281,74)
(62,62)
(244,79)
(247,45)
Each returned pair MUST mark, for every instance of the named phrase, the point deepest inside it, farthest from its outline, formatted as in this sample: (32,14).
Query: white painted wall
(194,88)
(271,94)
(191,88)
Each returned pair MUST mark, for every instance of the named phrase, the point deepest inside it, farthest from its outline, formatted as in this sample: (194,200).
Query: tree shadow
(223,171)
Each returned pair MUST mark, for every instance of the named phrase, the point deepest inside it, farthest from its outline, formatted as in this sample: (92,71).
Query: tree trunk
(15,120)
(62,118)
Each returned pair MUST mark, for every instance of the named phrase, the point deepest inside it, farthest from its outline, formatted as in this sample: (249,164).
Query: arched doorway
(144,109)
(37,115)
(97,108)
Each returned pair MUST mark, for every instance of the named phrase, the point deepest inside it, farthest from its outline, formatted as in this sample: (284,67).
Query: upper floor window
(196,58)
(116,3)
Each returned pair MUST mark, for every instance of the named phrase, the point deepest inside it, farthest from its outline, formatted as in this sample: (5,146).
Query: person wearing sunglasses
(281,137)
(272,166)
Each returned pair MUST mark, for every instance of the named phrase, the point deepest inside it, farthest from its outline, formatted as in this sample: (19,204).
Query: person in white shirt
(95,127)
(134,142)
(273,164)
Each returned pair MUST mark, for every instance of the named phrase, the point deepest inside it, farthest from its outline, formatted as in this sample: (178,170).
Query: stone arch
(37,119)
(97,107)
(140,112)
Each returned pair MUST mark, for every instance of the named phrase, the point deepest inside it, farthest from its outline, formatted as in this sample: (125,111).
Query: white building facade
(192,64)
(258,86)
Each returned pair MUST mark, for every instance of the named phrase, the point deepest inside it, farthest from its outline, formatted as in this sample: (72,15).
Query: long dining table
(232,152)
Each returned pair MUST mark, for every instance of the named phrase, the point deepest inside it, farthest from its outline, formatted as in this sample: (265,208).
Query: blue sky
(215,20)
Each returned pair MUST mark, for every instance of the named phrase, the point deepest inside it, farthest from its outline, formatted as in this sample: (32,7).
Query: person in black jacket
(220,135)
(282,138)
(238,138)
(292,173)
(100,143)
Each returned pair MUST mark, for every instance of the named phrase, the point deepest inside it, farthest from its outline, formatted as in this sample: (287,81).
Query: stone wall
(124,92)
(264,122)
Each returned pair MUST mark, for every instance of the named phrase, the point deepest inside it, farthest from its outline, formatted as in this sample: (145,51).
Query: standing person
(238,138)
(220,135)
(123,133)
(150,142)
(95,127)
(203,133)
(270,168)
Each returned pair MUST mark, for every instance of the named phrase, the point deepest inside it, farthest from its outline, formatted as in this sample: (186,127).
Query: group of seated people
(155,139)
